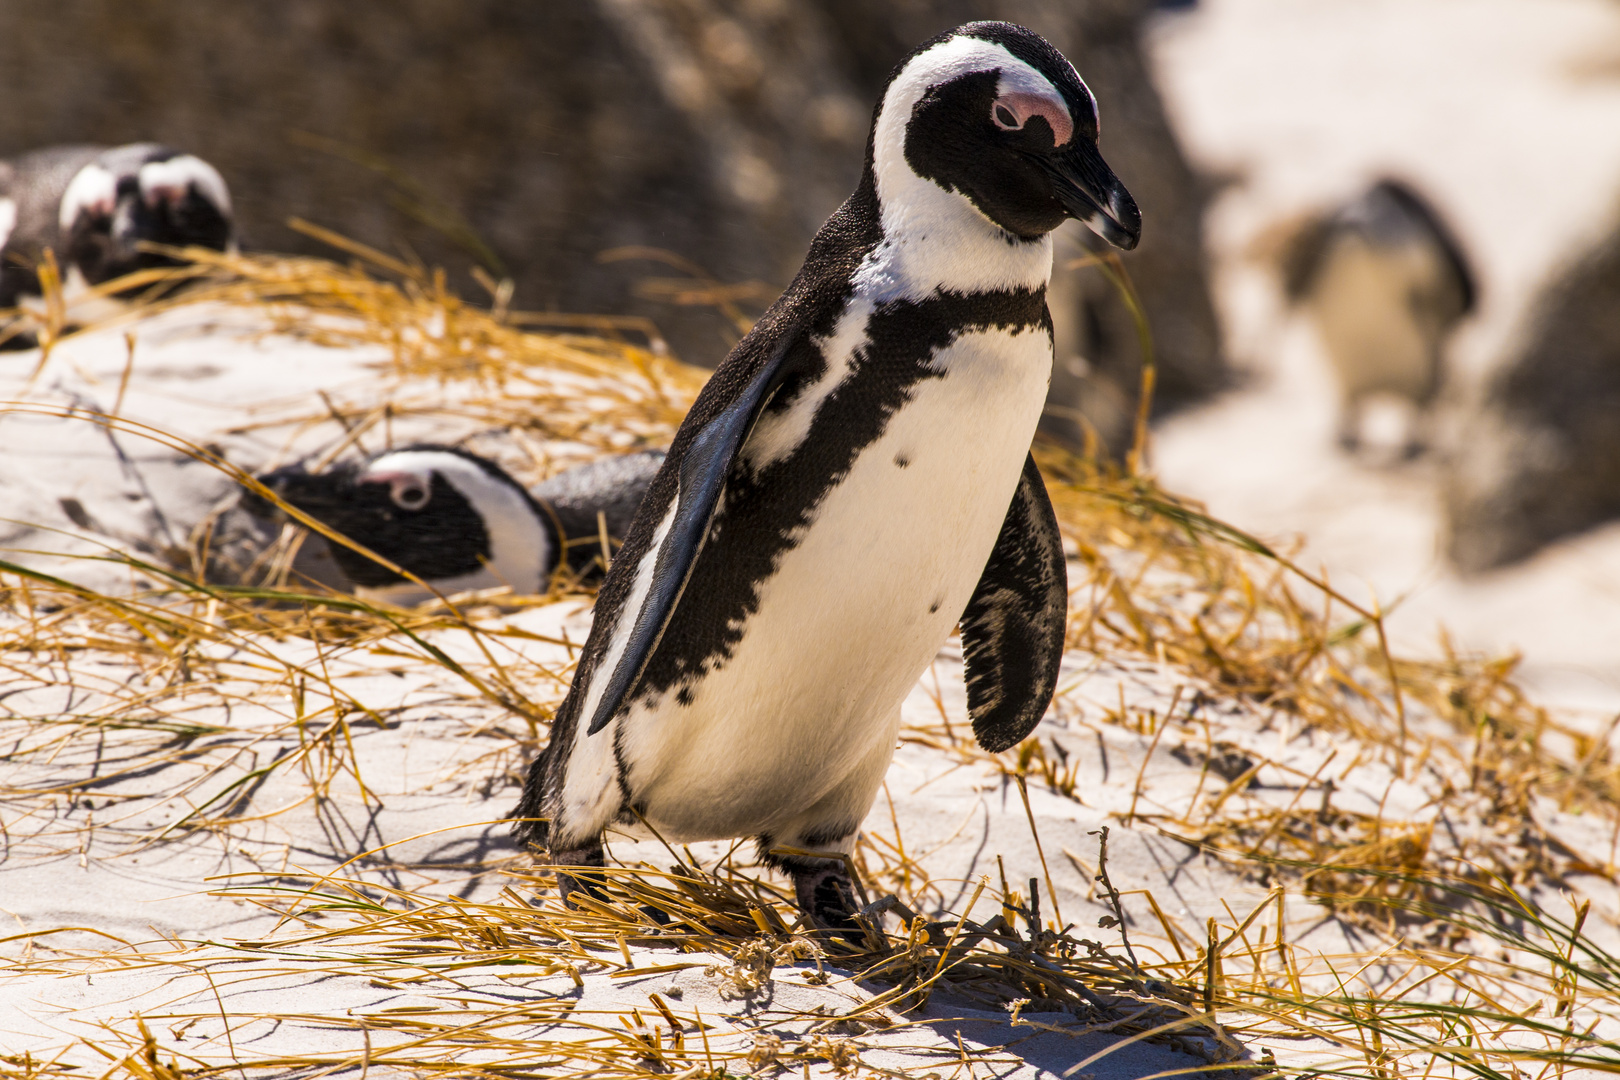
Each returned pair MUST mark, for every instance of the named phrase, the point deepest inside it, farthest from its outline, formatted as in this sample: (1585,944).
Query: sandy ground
(1507,112)
(67,859)
(103,849)
(100,844)
(201,911)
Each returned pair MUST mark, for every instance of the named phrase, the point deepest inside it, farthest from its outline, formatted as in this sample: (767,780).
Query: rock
(1541,459)
(527,138)
(530,138)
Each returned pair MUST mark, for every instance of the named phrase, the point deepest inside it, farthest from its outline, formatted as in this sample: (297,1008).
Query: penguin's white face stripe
(170,180)
(8,219)
(936,239)
(519,551)
(93,190)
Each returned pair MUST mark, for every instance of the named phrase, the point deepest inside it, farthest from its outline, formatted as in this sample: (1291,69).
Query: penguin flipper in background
(700,466)
(1012,630)
(584,499)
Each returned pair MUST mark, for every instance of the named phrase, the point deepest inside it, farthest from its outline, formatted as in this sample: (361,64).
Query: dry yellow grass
(1157,579)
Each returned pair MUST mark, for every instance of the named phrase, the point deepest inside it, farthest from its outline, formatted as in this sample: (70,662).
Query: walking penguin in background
(1386,283)
(853,481)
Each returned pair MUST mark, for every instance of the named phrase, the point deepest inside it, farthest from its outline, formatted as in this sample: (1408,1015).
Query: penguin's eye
(1012,111)
(406,490)
(409,493)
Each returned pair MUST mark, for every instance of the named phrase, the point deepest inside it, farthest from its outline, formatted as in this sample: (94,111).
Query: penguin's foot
(586,858)
(827,898)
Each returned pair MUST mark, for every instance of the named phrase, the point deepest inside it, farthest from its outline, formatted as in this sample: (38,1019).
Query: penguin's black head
(439,512)
(141,193)
(992,112)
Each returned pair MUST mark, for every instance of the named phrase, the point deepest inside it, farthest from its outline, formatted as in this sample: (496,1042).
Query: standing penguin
(94,207)
(853,481)
(1386,282)
(459,521)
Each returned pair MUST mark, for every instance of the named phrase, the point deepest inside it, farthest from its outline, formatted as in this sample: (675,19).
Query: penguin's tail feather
(530,825)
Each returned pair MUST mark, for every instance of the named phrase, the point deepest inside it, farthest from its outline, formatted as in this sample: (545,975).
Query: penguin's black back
(36,182)
(1391,197)
(810,307)
(613,487)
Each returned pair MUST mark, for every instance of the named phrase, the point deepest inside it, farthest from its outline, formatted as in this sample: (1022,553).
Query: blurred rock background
(1542,458)
(528,139)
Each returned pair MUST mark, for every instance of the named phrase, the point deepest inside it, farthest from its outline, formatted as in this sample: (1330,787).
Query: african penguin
(459,521)
(1385,282)
(852,482)
(95,206)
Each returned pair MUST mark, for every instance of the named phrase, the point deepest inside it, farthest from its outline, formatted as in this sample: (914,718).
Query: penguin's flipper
(1012,630)
(704,464)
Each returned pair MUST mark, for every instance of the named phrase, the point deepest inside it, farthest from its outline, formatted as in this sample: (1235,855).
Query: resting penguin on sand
(853,481)
(1386,283)
(93,206)
(459,521)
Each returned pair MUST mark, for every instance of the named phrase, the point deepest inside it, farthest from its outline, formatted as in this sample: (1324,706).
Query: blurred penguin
(95,207)
(1385,282)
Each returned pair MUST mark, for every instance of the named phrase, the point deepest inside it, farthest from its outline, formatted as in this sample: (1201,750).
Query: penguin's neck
(935,240)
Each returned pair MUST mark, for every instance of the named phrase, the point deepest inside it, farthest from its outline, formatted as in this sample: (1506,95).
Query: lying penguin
(459,521)
(1385,282)
(95,206)
(853,482)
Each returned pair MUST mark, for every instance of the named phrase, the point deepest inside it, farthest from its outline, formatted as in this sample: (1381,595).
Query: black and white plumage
(854,480)
(1385,282)
(458,521)
(94,207)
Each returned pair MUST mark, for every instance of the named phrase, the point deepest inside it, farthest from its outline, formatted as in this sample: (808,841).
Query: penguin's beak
(1091,193)
(321,496)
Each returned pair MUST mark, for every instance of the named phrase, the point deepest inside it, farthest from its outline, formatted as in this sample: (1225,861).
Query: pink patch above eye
(1021,108)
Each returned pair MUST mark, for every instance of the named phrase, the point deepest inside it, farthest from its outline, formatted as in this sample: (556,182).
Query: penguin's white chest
(800,720)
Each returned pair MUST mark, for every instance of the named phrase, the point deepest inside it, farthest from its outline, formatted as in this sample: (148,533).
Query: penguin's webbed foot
(569,863)
(827,897)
